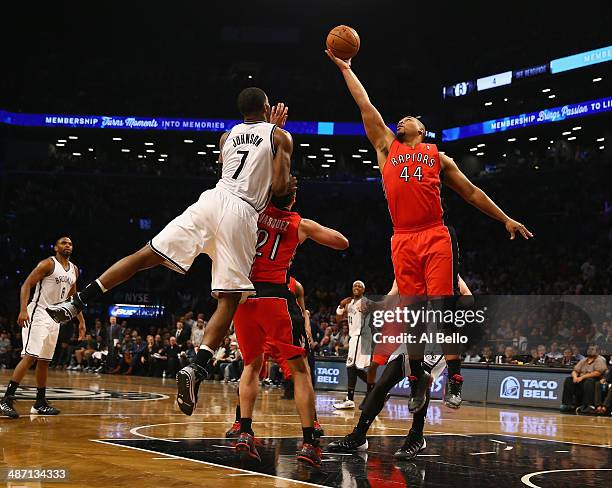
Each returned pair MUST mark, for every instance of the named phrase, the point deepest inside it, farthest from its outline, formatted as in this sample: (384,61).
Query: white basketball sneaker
(345,405)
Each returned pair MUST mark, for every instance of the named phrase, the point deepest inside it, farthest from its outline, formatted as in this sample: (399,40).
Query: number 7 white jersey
(247,156)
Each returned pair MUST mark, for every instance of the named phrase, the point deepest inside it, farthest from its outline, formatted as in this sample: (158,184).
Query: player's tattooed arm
(44,268)
(282,182)
(456,180)
(379,135)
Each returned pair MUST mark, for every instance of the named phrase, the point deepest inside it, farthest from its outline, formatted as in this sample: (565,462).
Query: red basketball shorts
(270,352)
(424,262)
(275,320)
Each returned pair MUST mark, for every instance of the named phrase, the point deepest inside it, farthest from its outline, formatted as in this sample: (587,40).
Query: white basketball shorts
(221,225)
(359,354)
(40,336)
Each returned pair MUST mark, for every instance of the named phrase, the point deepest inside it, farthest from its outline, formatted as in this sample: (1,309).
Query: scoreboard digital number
(459,89)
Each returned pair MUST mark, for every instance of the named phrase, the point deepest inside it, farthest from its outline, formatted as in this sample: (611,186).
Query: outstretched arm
(455,179)
(309,229)
(378,133)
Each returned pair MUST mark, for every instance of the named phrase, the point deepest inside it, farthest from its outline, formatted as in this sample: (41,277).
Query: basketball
(343,42)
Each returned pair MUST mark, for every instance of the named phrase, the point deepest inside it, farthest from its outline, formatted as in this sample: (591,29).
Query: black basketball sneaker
(188,382)
(353,442)
(418,391)
(67,310)
(7,409)
(413,445)
(43,408)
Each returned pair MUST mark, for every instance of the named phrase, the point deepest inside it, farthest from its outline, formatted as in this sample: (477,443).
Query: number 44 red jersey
(411,178)
(277,241)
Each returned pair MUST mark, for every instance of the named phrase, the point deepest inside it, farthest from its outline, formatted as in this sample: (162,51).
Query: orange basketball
(343,42)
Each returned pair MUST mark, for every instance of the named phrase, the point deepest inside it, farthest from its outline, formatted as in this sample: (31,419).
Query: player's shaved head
(252,101)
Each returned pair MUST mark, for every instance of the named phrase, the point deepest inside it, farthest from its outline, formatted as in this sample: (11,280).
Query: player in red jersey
(274,316)
(421,249)
(296,288)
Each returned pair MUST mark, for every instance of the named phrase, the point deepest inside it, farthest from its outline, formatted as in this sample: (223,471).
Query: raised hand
(341,63)
(279,114)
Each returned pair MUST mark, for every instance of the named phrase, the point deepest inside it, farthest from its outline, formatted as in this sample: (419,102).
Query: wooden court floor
(99,412)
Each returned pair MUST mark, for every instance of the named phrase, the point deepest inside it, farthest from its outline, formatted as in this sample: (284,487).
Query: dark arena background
(111,114)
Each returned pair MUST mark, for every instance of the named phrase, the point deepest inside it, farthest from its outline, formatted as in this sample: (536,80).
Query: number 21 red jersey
(277,241)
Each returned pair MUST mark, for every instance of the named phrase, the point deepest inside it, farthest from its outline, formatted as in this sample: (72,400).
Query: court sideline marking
(527,478)
(243,471)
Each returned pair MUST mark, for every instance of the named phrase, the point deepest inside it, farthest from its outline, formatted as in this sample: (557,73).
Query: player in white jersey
(54,279)
(255,158)
(360,343)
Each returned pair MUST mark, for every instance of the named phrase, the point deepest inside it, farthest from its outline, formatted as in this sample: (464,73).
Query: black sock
(363,425)
(418,421)
(246,426)
(454,367)
(237,413)
(416,367)
(315,417)
(308,435)
(351,373)
(370,386)
(203,356)
(40,394)
(11,389)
